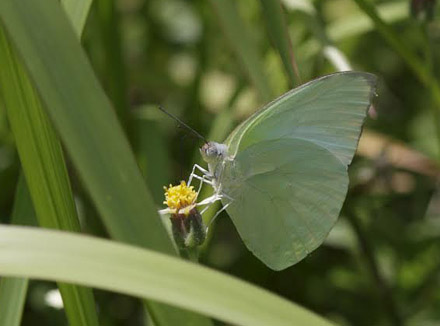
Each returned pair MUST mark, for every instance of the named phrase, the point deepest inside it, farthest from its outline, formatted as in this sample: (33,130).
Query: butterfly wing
(287,196)
(328,111)
(289,177)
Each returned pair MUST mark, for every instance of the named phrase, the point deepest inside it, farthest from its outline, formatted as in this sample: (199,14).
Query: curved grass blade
(54,255)
(90,131)
(13,289)
(45,170)
(276,25)
(85,120)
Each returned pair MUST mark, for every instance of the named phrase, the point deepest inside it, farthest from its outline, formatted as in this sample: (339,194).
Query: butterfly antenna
(183,124)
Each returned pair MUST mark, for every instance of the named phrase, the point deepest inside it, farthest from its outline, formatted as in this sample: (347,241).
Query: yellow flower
(180,199)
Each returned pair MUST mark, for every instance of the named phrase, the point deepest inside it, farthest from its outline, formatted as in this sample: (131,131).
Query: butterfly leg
(211,200)
(208,202)
(194,175)
(206,178)
(202,181)
(218,213)
(163,212)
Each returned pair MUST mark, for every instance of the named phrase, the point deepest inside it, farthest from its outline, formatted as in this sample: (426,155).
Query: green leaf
(89,130)
(104,264)
(418,67)
(77,11)
(85,120)
(23,212)
(44,167)
(276,25)
(152,155)
(13,290)
(12,298)
(243,45)
(114,77)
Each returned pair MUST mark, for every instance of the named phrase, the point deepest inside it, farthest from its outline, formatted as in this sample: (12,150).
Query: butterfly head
(213,152)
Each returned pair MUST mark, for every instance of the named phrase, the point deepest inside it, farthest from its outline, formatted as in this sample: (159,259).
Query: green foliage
(213,64)
(13,289)
(146,274)
(45,170)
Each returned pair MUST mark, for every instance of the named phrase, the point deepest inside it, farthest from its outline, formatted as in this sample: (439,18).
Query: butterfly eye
(205,148)
(212,151)
(209,149)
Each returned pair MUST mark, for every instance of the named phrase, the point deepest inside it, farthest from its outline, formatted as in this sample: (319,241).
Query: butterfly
(282,173)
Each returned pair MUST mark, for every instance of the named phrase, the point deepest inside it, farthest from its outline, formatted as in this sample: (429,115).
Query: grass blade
(152,155)
(243,45)
(85,120)
(13,290)
(276,25)
(44,167)
(77,10)
(12,298)
(48,254)
(90,130)
(420,70)
(114,78)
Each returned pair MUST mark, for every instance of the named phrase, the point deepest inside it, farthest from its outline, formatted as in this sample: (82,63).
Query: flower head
(187,225)
(180,199)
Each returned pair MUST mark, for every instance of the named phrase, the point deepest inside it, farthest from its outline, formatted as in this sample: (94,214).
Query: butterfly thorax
(214,154)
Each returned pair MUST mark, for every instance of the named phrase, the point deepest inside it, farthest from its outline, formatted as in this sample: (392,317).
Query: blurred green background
(380,264)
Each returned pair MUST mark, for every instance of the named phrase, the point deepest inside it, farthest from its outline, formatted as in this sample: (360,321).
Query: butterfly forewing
(328,111)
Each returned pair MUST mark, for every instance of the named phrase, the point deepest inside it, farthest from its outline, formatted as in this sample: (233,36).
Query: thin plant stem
(368,253)
(429,59)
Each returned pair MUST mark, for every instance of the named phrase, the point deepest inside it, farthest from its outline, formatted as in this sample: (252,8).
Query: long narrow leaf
(12,289)
(12,297)
(77,10)
(419,69)
(104,264)
(44,167)
(276,25)
(85,120)
(90,130)
(114,78)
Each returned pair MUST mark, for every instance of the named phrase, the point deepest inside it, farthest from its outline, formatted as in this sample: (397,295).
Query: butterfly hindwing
(287,198)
